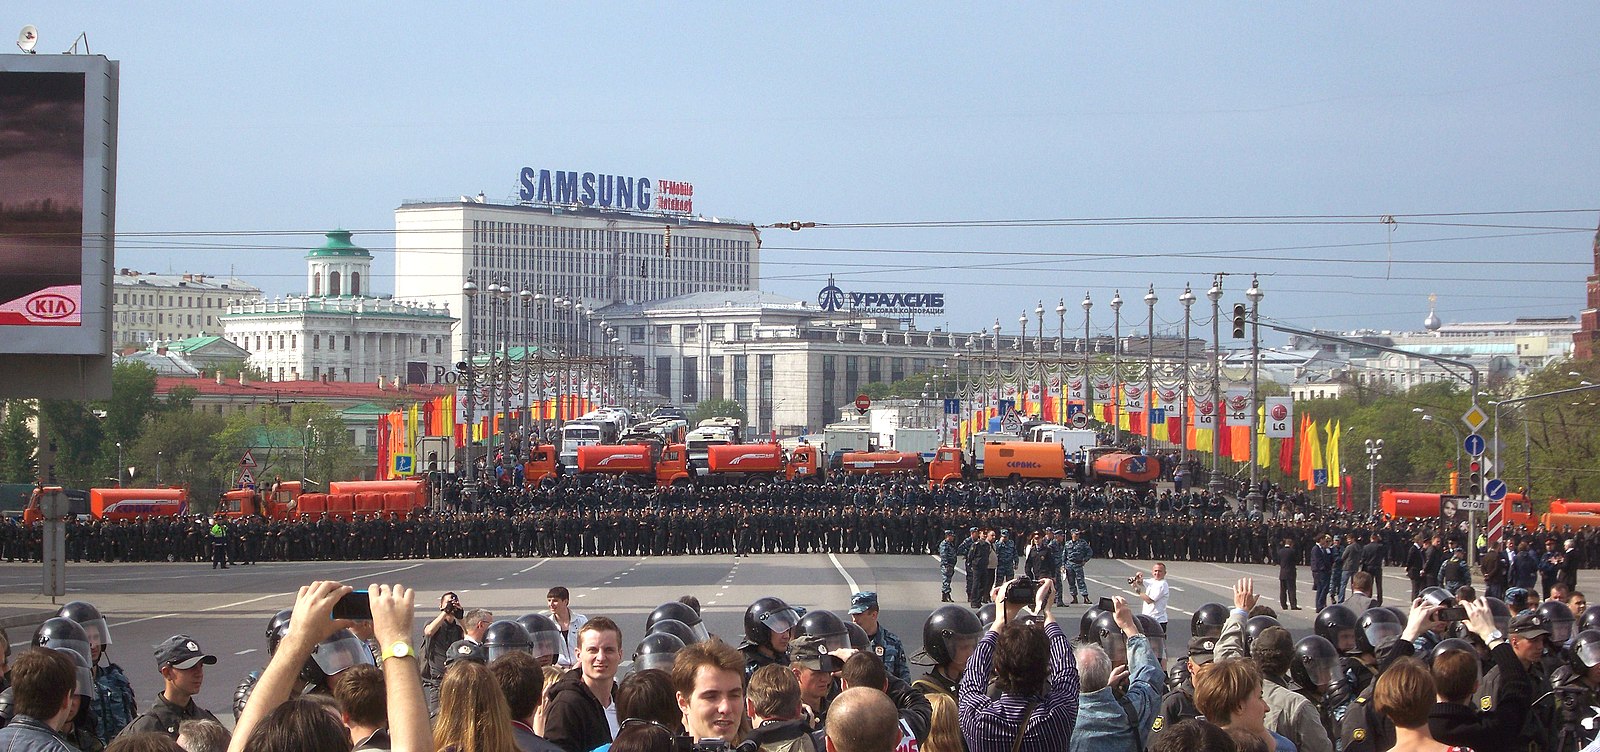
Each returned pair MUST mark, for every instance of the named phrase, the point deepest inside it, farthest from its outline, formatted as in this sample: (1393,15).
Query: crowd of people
(1452,670)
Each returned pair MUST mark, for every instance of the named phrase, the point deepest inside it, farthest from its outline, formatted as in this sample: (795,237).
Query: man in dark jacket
(1417,564)
(1454,720)
(42,686)
(580,715)
(1287,560)
(1322,565)
(1372,563)
(182,664)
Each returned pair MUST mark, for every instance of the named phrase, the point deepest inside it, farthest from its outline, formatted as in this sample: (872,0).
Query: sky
(248,131)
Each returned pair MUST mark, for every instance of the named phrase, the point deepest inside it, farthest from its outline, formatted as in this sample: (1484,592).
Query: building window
(316,342)
(852,374)
(636,335)
(874,370)
(764,406)
(663,334)
(294,341)
(346,374)
(355,283)
(691,332)
(347,346)
(424,344)
(333,283)
(714,377)
(717,332)
(691,381)
(741,379)
(438,345)
(664,378)
(897,369)
(743,331)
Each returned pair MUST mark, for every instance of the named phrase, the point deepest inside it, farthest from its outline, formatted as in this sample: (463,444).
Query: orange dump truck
(277,502)
(1122,467)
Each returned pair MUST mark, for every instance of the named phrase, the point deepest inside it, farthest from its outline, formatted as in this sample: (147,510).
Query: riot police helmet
(544,637)
(1557,618)
(1315,663)
(1376,625)
(682,612)
(949,632)
(61,632)
(1208,620)
(657,650)
(88,617)
(826,626)
(768,616)
(506,636)
(1337,625)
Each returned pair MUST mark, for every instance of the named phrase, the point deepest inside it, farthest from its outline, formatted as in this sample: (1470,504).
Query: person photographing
(1153,592)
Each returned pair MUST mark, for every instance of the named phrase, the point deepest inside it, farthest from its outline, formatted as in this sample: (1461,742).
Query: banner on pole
(1280,417)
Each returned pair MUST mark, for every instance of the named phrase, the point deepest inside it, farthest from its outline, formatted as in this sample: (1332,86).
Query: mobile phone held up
(355,605)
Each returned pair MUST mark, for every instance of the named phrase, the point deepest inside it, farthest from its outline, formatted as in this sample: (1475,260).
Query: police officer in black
(949,636)
(768,624)
(1178,704)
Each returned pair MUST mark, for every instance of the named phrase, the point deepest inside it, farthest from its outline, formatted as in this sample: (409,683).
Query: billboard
(58,160)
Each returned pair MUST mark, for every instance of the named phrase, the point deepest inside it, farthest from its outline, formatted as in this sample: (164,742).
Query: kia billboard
(57,203)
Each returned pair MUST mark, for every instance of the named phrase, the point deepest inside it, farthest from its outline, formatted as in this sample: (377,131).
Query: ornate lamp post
(539,340)
(1215,296)
(1116,368)
(1254,295)
(527,341)
(1088,384)
(1374,449)
(1150,367)
(470,289)
(1187,299)
(1022,367)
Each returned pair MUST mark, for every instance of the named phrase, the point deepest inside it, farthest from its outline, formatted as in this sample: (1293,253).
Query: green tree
(182,447)
(717,408)
(232,368)
(76,434)
(306,440)
(17,442)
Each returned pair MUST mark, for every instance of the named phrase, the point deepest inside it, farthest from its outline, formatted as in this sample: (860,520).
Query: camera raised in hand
(1024,591)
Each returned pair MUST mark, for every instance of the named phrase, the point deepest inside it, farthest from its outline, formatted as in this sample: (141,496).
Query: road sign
(952,407)
(1011,423)
(248,460)
(1473,444)
(403,464)
(1495,489)
(863,403)
(1080,420)
(1472,505)
(1474,418)
(246,480)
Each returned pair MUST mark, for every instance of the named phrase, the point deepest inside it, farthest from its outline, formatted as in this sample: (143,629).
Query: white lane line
(499,579)
(959,568)
(483,584)
(246,651)
(848,580)
(535,566)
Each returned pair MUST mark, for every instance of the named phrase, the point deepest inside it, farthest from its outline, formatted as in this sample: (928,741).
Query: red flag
(1286,455)
(1225,441)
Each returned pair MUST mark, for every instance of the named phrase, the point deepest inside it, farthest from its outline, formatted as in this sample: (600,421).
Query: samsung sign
(832,299)
(602,191)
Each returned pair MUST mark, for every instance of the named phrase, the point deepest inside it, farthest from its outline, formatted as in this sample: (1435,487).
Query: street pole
(527,386)
(998,376)
(1116,368)
(506,307)
(1254,295)
(1215,296)
(470,290)
(1150,371)
(1038,355)
(1374,449)
(1022,368)
(1061,358)
(493,299)
(1088,384)
(1187,299)
(539,345)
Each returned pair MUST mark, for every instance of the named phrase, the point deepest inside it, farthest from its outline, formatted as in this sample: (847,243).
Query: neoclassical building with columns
(337,332)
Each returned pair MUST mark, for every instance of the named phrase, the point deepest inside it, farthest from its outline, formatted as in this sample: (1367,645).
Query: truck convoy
(122,503)
(344,499)
(712,432)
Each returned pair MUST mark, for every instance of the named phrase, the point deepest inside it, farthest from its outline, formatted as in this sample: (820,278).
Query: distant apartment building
(169,307)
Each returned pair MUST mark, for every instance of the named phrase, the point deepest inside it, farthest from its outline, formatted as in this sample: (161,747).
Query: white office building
(150,308)
(590,256)
(337,332)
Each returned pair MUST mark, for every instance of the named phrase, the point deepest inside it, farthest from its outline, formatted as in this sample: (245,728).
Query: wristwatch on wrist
(1496,636)
(398,649)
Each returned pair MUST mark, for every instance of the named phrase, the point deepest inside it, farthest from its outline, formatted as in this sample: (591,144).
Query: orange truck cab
(645,463)
(276,503)
(805,463)
(949,464)
(541,464)
(1032,462)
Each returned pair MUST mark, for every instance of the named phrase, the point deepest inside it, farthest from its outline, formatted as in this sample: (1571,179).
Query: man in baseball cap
(182,664)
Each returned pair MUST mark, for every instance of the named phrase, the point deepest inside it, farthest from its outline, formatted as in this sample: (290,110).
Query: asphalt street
(227,611)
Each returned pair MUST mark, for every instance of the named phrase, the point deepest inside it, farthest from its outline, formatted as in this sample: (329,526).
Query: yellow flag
(1335,469)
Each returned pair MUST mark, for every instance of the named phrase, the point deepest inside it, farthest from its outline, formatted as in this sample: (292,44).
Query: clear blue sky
(309,116)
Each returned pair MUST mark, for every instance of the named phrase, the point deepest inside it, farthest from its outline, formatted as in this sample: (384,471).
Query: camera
(1023,591)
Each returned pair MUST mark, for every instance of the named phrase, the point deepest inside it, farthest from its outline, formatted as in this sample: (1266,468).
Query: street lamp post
(158,467)
(1374,456)
(1061,357)
(539,345)
(1116,367)
(1254,295)
(494,372)
(1022,367)
(1038,355)
(470,290)
(1149,370)
(998,377)
(1453,432)
(1215,296)
(119,464)
(1088,384)
(1187,299)
(527,384)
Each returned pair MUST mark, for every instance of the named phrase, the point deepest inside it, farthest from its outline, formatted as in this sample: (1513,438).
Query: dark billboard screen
(41,198)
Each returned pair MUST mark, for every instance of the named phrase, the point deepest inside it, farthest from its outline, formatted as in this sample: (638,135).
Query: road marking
(848,580)
(246,651)
(499,579)
(536,566)
(959,568)
(260,598)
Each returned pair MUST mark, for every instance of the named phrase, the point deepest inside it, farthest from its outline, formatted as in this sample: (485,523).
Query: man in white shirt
(1154,593)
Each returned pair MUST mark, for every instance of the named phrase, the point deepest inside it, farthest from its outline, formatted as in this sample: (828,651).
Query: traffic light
(1475,479)
(1238,320)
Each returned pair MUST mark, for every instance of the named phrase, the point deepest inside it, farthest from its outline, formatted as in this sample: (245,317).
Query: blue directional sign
(1136,465)
(1495,489)
(1473,444)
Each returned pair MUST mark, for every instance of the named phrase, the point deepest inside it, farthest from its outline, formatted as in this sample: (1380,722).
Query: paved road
(227,611)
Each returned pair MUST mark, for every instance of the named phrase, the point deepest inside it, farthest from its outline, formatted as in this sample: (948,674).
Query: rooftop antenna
(83,36)
(28,39)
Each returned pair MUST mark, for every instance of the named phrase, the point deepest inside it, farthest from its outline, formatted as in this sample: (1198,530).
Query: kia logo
(51,306)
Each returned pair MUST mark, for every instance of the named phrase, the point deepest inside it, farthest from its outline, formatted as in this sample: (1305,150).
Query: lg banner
(1280,417)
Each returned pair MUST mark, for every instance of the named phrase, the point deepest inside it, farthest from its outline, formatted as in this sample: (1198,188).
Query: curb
(26,619)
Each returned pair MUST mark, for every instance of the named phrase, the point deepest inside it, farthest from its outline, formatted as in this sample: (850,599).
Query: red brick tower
(1587,340)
